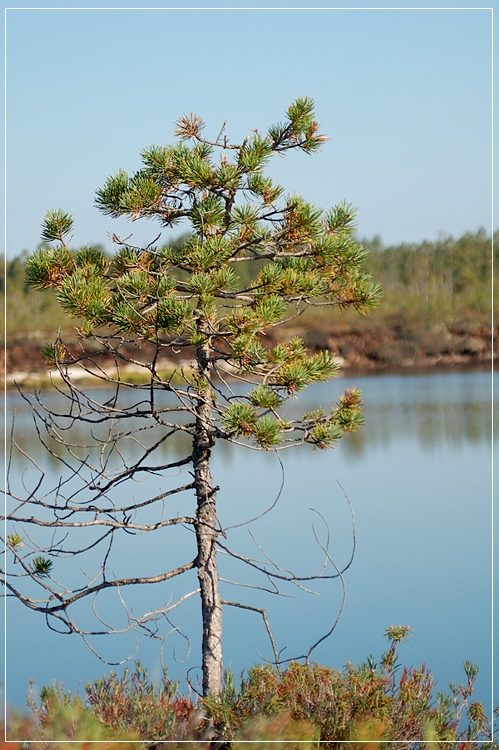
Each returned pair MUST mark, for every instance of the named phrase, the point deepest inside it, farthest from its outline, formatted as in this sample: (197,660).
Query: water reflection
(437,409)
(419,476)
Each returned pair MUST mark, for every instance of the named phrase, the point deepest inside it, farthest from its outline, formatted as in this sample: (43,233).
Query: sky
(404,95)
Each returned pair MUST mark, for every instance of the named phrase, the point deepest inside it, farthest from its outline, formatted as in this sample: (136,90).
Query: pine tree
(253,259)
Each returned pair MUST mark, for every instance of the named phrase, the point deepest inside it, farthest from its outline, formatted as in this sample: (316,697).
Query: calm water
(419,477)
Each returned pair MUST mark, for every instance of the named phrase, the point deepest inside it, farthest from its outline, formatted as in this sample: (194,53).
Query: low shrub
(384,702)
(134,702)
(359,707)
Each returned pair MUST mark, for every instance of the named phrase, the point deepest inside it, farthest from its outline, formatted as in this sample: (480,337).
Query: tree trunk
(206,533)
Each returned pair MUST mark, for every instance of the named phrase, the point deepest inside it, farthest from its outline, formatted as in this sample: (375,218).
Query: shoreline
(374,351)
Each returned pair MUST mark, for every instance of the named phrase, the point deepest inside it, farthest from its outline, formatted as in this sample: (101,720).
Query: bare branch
(89,591)
(343,599)
(263,613)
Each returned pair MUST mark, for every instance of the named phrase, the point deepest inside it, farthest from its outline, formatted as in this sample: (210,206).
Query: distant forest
(426,283)
(437,281)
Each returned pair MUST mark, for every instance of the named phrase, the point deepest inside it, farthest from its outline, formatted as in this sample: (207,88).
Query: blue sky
(404,95)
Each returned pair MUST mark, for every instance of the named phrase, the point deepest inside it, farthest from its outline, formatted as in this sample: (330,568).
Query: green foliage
(300,130)
(267,432)
(323,435)
(15,541)
(41,567)
(341,218)
(302,369)
(398,633)
(270,310)
(239,419)
(92,258)
(348,413)
(49,267)
(84,294)
(323,430)
(56,225)
(172,315)
(265,397)
(108,198)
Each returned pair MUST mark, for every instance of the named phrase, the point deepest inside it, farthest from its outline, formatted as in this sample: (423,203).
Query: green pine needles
(254,258)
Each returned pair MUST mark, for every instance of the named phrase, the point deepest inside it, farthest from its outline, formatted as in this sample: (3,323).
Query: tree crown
(254,258)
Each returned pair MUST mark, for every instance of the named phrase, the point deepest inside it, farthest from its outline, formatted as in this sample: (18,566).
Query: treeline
(429,282)
(437,281)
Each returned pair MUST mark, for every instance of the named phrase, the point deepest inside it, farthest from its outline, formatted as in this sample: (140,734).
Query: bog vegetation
(371,705)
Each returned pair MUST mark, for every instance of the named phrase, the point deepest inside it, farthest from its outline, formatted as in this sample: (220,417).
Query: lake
(419,479)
